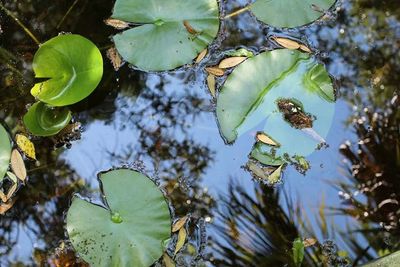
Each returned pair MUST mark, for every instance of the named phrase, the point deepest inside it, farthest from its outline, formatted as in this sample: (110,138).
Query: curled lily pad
(128,230)
(170,34)
(289,13)
(44,120)
(254,90)
(5,151)
(73,66)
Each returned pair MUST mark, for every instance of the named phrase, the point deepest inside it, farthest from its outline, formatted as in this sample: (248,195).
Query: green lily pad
(249,98)
(5,151)
(131,227)
(289,13)
(171,34)
(44,120)
(73,66)
(390,260)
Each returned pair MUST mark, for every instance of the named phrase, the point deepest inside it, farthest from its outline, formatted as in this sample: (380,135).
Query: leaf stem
(66,14)
(18,21)
(237,12)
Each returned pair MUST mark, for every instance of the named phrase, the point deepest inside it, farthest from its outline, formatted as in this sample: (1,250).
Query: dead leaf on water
(305,49)
(168,261)
(115,58)
(26,146)
(4,207)
(263,138)
(11,191)
(287,43)
(211,84)
(181,240)
(3,196)
(275,177)
(215,71)
(116,23)
(202,55)
(179,224)
(13,178)
(231,62)
(18,165)
(308,242)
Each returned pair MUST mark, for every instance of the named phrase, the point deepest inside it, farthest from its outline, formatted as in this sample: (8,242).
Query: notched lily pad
(73,66)
(170,33)
(5,151)
(129,229)
(44,120)
(289,13)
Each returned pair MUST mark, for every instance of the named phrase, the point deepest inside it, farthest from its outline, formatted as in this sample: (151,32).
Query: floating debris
(231,62)
(181,240)
(215,71)
(211,84)
(116,23)
(201,56)
(179,224)
(115,58)
(294,114)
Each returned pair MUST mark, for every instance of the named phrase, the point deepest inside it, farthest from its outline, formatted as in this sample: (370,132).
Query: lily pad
(44,120)
(250,96)
(5,151)
(129,229)
(171,33)
(73,66)
(390,260)
(289,13)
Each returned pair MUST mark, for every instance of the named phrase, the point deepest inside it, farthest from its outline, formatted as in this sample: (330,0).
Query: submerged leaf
(168,261)
(115,58)
(241,52)
(4,207)
(26,146)
(309,242)
(18,165)
(298,252)
(179,224)
(170,33)
(181,239)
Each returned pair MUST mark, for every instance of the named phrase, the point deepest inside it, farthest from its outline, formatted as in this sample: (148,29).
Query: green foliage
(128,230)
(171,34)
(298,252)
(44,120)
(5,151)
(288,13)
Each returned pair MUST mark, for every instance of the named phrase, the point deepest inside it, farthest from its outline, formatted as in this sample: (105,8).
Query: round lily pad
(44,120)
(73,67)
(290,13)
(128,230)
(250,96)
(5,151)
(170,34)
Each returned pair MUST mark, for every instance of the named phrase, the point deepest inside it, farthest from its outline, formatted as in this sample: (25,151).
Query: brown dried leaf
(4,207)
(116,23)
(308,242)
(3,196)
(179,224)
(305,49)
(287,43)
(215,71)
(18,165)
(211,84)
(263,138)
(115,58)
(26,146)
(181,240)
(201,56)
(168,261)
(231,62)
(11,191)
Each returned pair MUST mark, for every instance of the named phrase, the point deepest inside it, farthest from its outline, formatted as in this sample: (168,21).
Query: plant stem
(66,14)
(237,12)
(9,13)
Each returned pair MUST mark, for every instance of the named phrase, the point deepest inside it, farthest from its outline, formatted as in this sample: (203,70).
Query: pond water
(164,124)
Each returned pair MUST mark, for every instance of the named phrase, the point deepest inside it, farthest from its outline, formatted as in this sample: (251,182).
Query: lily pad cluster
(129,229)
(289,97)
(70,67)
(165,34)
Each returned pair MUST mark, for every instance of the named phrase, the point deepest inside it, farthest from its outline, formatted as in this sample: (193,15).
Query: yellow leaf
(181,239)
(211,84)
(18,165)
(308,242)
(215,71)
(263,138)
(231,62)
(179,224)
(116,23)
(168,261)
(287,43)
(26,146)
(201,56)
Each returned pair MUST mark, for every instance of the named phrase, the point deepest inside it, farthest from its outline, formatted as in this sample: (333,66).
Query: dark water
(164,125)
